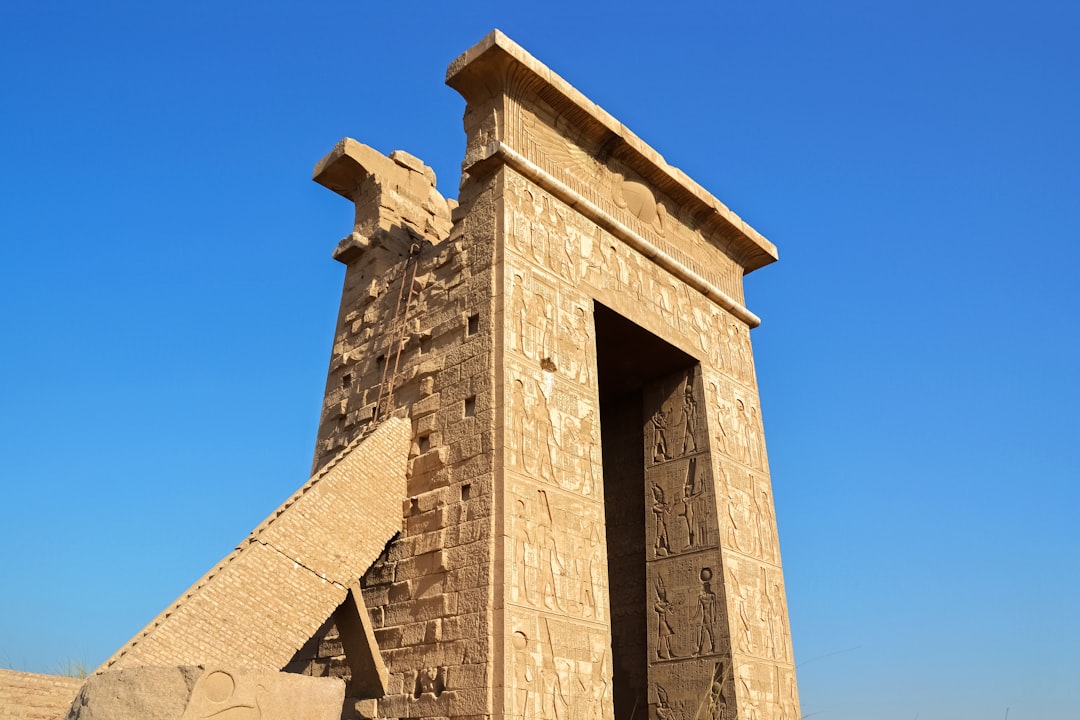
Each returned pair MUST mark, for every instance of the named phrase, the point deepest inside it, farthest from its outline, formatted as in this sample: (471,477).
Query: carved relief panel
(689,647)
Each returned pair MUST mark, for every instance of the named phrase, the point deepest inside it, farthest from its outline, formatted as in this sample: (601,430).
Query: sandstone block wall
(32,696)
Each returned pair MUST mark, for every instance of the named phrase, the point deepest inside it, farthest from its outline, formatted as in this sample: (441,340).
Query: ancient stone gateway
(588,530)
(540,488)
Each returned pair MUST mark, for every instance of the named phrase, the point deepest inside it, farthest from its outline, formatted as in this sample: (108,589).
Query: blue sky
(169,299)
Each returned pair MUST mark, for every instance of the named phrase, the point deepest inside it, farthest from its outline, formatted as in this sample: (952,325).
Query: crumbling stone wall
(414,337)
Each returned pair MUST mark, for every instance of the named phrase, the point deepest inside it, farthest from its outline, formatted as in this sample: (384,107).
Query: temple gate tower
(588,527)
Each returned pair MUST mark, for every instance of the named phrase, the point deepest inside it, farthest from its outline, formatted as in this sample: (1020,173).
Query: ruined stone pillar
(589,528)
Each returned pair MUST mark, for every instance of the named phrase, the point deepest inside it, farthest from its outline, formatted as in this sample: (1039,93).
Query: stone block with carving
(194,693)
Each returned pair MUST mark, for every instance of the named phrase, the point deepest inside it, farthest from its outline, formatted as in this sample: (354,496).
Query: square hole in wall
(466,491)
(423,443)
(474,324)
(346,381)
(470,406)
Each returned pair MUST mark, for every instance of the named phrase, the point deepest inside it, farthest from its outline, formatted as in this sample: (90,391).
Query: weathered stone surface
(193,693)
(144,693)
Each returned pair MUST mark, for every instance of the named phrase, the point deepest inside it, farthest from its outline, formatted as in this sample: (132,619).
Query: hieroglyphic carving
(561,671)
(218,695)
(588,255)
(756,592)
(698,425)
(547,140)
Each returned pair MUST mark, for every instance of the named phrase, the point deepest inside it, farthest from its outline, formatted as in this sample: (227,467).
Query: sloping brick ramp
(261,603)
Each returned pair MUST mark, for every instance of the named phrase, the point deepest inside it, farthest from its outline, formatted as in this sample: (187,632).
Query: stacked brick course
(31,696)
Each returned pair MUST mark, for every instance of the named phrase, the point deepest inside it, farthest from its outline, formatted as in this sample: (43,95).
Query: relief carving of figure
(524,676)
(587,569)
(778,610)
(706,612)
(553,701)
(581,341)
(550,561)
(543,325)
(664,711)
(693,514)
(595,692)
(545,438)
(587,442)
(519,314)
(744,432)
(523,425)
(663,608)
(763,518)
(743,635)
(659,422)
(523,547)
(767,616)
(757,454)
(717,698)
(661,509)
(689,418)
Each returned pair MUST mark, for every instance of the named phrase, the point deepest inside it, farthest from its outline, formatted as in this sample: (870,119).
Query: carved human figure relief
(664,631)
(756,440)
(767,617)
(778,610)
(587,443)
(581,339)
(524,548)
(522,238)
(595,690)
(745,432)
(741,529)
(717,702)
(744,639)
(764,520)
(706,613)
(689,416)
(553,706)
(522,422)
(546,442)
(588,567)
(524,676)
(659,422)
(664,708)
(519,314)
(723,421)
(661,509)
(550,560)
(694,508)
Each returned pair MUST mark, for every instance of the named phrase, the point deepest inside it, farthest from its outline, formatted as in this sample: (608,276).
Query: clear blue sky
(169,299)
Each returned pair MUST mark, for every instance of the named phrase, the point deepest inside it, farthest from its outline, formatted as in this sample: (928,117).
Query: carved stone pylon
(589,528)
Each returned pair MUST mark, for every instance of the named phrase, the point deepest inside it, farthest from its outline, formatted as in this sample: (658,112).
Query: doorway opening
(629,361)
